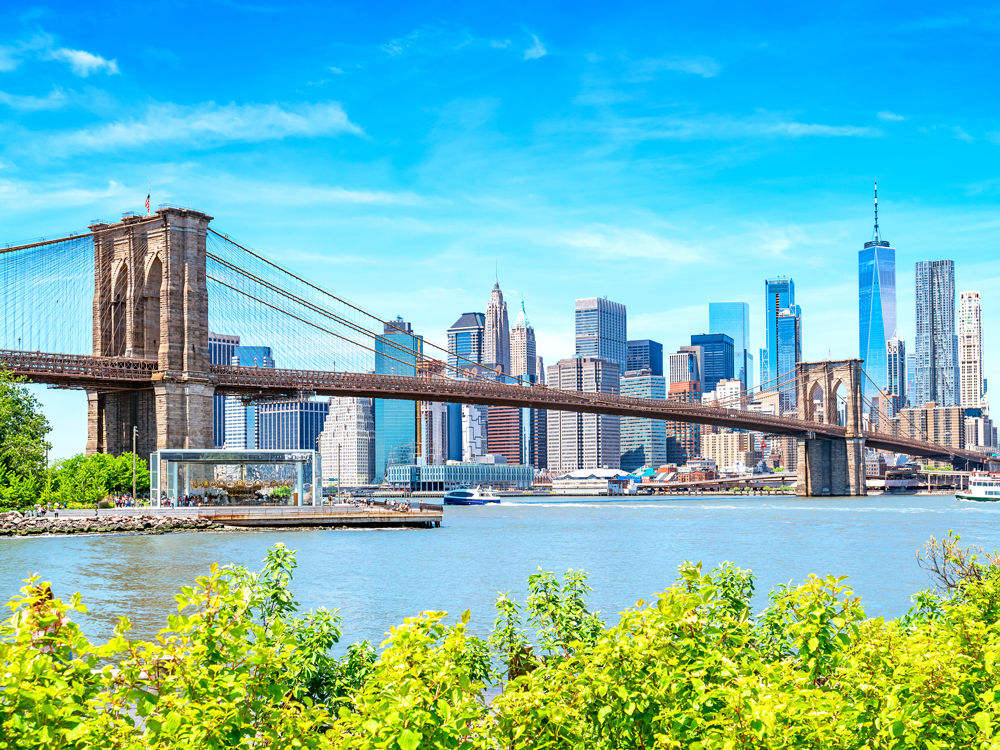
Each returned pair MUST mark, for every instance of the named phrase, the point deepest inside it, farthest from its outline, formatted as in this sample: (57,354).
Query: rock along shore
(13,523)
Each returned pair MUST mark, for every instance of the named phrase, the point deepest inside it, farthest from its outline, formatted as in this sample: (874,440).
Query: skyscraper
(290,425)
(876,307)
(522,348)
(496,350)
(716,359)
(644,354)
(683,438)
(584,441)
(433,433)
(347,443)
(733,319)
(601,330)
(466,339)
(896,359)
(936,346)
(685,365)
(220,352)
(643,441)
(241,418)
(970,349)
(783,336)
(396,353)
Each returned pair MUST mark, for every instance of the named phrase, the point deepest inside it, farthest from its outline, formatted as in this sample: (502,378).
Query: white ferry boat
(984,487)
(478,496)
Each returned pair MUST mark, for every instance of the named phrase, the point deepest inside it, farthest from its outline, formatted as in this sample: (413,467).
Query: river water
(630,548)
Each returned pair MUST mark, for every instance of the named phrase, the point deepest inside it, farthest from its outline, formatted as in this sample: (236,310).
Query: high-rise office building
(685,365)
(241,418)
(970,350)
(911,377)
(347,443)
(534,444)
(433,442)
(505,432)
(733,319)
(396,353)
(896,359)
(936,346)
(643,441)
(783,335)
(644,354)
(290,425)
(584,441)
(220,352)
(474,424)
(683,438)
(876,308)
(466,340)
(496,348)
(601,330)
(716,358)
(523,357)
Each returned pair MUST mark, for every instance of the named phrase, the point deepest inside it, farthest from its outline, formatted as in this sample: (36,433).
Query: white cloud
(82,63)
(700,66)
(208,124)
(961,135)
(536,50)
(500,43)
(613,243)
(886,116)
(55,99)
(722,127)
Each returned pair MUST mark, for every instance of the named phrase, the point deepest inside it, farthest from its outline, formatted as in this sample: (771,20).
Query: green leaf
(409,740)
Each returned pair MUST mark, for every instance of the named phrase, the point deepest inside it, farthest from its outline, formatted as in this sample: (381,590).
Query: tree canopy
(23,447)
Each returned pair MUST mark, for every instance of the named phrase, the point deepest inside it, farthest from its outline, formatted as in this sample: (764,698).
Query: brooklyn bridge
(123,312)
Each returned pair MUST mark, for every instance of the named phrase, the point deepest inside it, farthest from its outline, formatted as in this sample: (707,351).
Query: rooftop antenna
(876,237)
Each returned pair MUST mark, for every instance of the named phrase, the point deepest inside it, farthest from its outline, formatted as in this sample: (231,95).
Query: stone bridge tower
(151,303)
(831,466)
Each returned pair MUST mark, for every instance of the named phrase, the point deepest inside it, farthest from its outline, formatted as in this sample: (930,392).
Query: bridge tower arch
(151,303)
(831,466)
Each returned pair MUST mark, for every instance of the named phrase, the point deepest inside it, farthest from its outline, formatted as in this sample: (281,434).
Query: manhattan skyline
(397,155)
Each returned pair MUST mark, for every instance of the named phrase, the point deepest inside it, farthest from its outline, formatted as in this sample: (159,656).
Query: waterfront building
(783,334)
(876,307)
(220,352)
(396,353)
(594,482)
(970,350)
(496,348)
(731,450)
(683,438)
(465,341)
(601,331)
(418,478)
(347,443)
(584,441)
(644,354)
(944,425)
(936,346)
(290,425)
(432,445)
(716,358)
(896,359)
(643,441)
(523,357)
(733,319)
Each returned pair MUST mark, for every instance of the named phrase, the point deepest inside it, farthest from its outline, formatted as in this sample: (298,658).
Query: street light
(135,439)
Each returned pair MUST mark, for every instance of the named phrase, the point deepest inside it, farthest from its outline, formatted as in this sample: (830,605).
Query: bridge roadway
(111,374)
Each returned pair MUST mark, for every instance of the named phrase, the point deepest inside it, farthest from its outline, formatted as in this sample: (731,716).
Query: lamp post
(135,439)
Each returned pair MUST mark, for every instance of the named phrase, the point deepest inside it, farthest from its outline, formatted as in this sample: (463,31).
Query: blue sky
(664,154)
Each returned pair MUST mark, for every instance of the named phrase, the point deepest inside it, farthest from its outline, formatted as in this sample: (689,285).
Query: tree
(89,479)
(23,447)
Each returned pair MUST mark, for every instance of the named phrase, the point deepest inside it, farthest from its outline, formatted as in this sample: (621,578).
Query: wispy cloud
(605,242)
(961,135)
(54,100)
(208,124)
(723,127)
(43,47)
(886,116)
(702,66)
(536,50)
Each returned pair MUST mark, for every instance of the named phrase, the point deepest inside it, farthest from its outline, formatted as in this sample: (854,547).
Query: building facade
(396,353)
(584,441)
(504,432)
(500,476)
(935,345)
(716,358)
(347,443)
(466,338)
(241,418)
(683,438)
(496,347)
(733,319)
(644,354)
(876,308)
(601,331)
(729,449)
(474,432)
(432,446)
(220,352)
(643,441)
(685,366)
(970,350)
(896,360)
(523,357)
(944,425)
(783,334)
(290,425)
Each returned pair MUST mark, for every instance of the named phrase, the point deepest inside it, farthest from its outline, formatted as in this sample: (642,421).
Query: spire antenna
(877,237)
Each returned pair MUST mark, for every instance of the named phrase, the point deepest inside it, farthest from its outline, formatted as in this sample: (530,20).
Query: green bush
(237,666)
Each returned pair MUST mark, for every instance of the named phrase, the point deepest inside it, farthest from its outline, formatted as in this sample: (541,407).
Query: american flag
(147,202)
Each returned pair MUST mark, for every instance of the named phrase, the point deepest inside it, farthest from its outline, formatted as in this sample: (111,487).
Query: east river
(630,548)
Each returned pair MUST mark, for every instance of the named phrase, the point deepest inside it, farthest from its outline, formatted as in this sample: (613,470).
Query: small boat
(465,496)
(984,487)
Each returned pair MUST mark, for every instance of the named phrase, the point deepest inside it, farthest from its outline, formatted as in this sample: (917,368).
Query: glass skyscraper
(643,441)
(783,336)
(876,308)
(716,358)
(644,355)
(220,352)
(935,347)
(465,338)
(733,319)
(395,421)
(600,331)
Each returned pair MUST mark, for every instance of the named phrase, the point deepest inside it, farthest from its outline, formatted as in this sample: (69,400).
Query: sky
(665,155)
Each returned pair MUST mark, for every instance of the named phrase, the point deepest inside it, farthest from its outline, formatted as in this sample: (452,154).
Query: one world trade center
(876,307)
